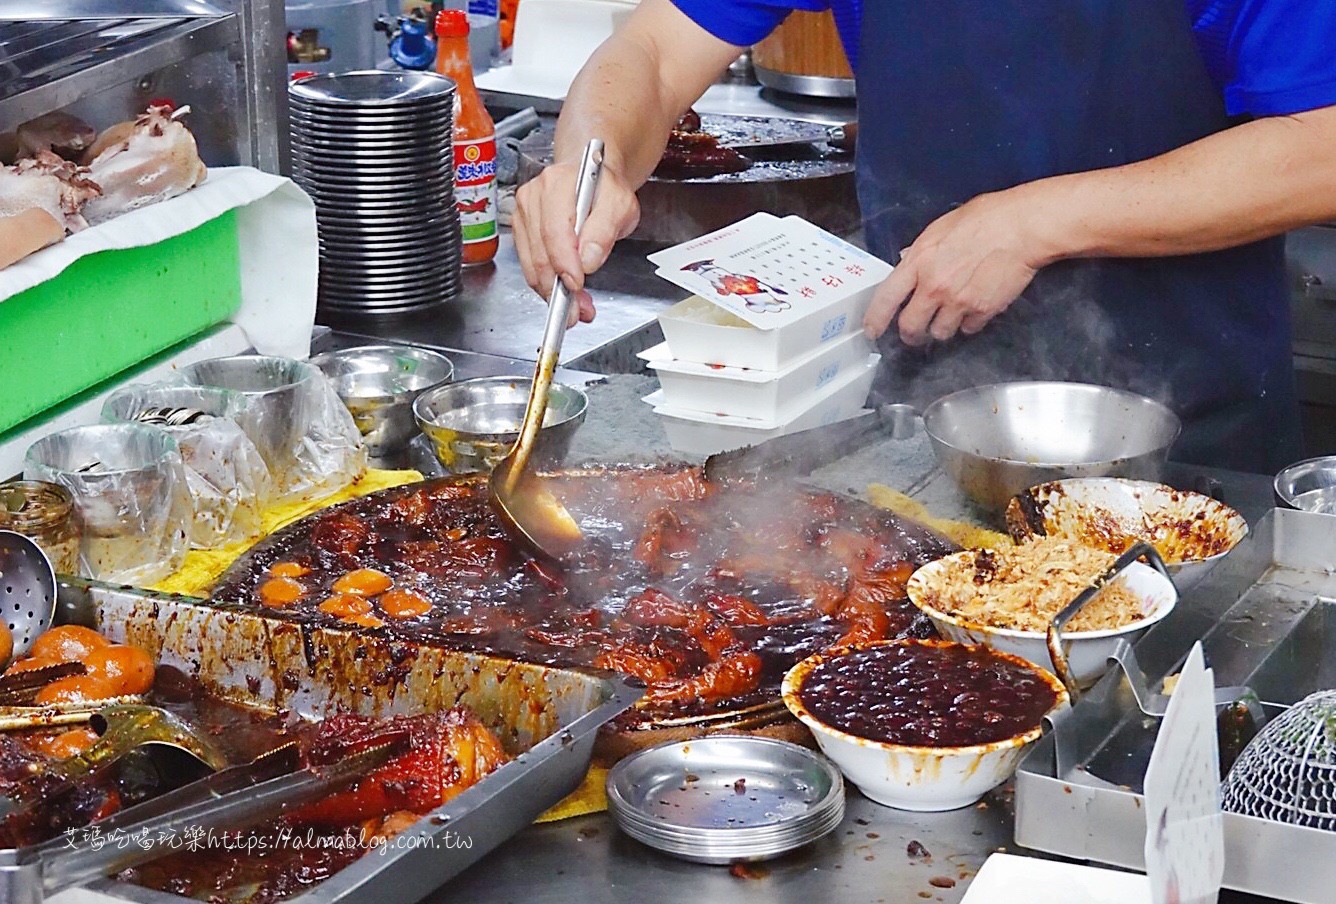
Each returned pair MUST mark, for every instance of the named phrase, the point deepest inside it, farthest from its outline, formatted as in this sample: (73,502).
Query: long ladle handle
(554,331)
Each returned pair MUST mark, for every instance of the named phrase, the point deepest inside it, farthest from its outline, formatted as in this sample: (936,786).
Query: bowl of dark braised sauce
(923,724)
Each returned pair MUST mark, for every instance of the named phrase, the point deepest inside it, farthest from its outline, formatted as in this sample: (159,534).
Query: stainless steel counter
(588,861)
(498,314)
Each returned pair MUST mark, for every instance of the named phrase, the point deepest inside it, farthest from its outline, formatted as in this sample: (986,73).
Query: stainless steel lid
(725,798)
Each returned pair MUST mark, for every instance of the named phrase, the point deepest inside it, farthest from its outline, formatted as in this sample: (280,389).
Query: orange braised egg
(280,592)
(110,670)
(364,582)
(400,603)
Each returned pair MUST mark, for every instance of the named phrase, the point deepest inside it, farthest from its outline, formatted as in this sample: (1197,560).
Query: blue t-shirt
(1269,57)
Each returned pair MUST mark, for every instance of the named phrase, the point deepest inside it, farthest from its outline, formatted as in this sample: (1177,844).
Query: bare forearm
(1256,180)
(636,86)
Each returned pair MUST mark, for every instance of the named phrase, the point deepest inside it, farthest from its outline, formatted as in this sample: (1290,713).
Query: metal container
(280,394)
(805,56)
(814,184)
(129,486)
(379,384)
(1309,486)
(547,718)
(1266,618)
(45,513)
(473,424)
(999,440)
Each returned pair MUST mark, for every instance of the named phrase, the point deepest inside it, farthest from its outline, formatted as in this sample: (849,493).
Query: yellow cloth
(969,536)
(203,567)
(590,797)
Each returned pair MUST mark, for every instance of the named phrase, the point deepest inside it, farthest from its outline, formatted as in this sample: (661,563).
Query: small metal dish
(472,424)
(379,383)
(1309,486)
(726,798)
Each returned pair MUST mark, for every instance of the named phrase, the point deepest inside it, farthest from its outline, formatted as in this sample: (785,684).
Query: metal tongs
(232,799)
(1151,704)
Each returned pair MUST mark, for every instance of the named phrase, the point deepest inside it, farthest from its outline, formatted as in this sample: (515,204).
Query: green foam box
(111,310)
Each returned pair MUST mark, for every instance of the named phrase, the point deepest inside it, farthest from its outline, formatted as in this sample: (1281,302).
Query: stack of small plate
(375,151)
(726,799)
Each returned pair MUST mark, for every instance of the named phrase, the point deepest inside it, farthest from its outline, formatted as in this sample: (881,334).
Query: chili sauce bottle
(474,139)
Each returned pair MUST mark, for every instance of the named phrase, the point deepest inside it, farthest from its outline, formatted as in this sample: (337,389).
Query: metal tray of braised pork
(546,718)
(1267,619)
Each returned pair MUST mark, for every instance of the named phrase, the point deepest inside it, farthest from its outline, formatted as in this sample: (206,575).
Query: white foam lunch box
(696,433)
(757,394)
(697,331)
(767,292)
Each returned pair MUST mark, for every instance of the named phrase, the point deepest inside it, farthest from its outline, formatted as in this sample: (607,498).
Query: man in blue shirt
(1087,190)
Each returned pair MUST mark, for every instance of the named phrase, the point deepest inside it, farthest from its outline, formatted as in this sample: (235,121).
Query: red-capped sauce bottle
(475,142)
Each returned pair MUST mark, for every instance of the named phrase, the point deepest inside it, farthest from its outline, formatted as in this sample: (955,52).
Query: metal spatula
(27,590)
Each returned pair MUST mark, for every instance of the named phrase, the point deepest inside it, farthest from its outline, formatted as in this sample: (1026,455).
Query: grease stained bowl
(1190,531)
(378,384)
(1088,652)
(927,777)
(998,440)
(473,424)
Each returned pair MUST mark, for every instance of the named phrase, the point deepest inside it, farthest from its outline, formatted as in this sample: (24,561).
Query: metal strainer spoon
(27,590)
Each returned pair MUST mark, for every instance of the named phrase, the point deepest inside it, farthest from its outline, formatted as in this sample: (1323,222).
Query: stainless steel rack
(230,54)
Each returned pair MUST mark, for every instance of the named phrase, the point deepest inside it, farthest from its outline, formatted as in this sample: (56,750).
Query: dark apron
(960,97)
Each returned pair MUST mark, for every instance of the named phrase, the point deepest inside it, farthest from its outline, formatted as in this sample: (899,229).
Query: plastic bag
(129,485)
(228,481)
(294,417)
(330,454)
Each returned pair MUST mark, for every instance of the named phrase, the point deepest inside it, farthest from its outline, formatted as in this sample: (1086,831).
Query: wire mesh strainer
(1288,772)
(27,589)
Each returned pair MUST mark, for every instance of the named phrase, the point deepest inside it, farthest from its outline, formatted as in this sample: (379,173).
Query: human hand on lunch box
(967,267)
(544,227)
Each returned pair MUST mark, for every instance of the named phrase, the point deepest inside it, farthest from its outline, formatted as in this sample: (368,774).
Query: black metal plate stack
(374,150)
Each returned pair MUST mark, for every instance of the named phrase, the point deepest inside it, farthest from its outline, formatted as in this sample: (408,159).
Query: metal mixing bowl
(999,440)
(473,424)
(1309,485)
(281,394)
(379,383)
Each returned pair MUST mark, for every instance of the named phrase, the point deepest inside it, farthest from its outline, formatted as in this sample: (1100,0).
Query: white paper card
(1185,843)
(1009,879)
(771,271)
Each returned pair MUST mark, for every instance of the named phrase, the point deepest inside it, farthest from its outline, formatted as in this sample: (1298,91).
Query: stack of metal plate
(375,151)
(725,799)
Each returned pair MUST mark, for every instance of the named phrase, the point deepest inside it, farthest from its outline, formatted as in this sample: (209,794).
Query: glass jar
(45,513)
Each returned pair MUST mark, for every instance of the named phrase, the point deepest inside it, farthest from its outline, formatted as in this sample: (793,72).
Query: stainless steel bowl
(379,383)
(999,440)
(473,424)
(129,486)
(1309,485)
(280,393)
